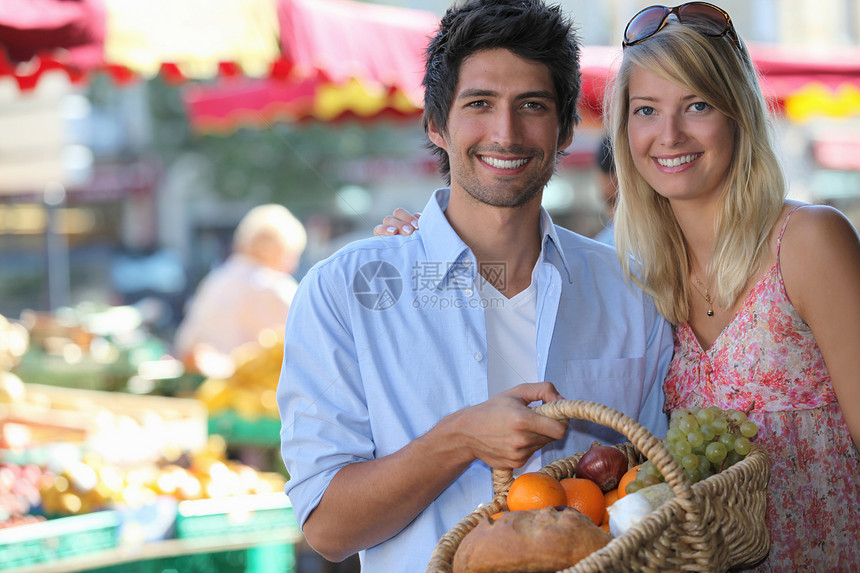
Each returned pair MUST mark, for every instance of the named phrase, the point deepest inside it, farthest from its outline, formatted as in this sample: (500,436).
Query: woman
(763,293)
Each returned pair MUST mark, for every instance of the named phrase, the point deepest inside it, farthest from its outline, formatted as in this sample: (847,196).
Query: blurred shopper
(764,292)
(250,292)
(410,361)
(607,185)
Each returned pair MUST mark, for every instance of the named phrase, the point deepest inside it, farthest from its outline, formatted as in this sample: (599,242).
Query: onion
(604,465)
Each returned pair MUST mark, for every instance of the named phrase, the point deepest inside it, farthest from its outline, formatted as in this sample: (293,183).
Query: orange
(625,479)
(535,490)
(611,497)
(585,495)
(605,527)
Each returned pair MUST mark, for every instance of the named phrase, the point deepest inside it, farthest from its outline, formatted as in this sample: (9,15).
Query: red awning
(329,40)
(381,46)
(74,29)
(340,60)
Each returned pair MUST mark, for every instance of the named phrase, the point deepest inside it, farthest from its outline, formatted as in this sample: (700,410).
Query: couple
(410,361)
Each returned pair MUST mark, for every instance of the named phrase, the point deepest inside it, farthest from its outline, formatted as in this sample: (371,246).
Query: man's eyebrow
(478,92)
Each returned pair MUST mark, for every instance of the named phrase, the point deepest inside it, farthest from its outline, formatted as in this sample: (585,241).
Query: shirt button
(467,292)
(478,356)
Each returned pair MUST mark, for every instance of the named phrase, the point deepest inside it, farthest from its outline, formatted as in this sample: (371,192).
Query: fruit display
(90,484)
(75,485)
(103,423)
(90,346)
(19,493)
(92,458)
(250,389)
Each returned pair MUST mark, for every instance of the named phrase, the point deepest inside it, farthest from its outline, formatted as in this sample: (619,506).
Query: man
(410,361)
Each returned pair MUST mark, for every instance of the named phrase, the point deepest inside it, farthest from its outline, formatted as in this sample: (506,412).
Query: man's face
(503,129)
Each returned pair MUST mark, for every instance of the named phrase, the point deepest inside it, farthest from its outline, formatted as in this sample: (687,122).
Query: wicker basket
(713,525)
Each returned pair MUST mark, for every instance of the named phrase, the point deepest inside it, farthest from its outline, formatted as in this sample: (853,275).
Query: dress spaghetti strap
(782,230)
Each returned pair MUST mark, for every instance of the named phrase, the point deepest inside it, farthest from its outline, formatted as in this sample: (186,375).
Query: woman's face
(680,144)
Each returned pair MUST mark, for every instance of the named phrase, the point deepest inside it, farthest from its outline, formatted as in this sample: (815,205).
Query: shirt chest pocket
(617,383)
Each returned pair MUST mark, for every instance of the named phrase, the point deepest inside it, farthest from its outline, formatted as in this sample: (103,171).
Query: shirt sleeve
(324,415)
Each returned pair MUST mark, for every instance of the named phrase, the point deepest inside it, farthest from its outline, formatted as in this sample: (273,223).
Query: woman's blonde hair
(650,244)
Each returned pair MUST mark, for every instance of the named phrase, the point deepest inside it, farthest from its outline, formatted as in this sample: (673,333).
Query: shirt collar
(442,244)
(447,248)
(551,245)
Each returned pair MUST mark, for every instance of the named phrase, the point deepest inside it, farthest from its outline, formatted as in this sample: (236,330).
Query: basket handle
(651,447)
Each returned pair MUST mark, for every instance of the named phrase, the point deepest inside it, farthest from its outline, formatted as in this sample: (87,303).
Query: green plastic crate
(263,432)
(261,559)
(238,514)
(59,538)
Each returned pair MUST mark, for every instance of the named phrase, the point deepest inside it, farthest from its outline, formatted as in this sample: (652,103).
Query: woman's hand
(401,222)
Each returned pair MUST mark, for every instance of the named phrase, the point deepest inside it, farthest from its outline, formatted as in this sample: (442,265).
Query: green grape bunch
(704,441)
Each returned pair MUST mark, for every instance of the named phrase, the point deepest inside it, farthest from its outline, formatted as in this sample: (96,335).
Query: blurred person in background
(410,361)
(248,293)
(607,185)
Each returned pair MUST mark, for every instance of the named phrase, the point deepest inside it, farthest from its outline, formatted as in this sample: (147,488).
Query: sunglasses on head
(712,21)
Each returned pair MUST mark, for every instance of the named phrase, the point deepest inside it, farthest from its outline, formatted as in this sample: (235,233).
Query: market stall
(96,475)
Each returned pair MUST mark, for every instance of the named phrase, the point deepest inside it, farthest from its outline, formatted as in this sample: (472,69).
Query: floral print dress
(768,354)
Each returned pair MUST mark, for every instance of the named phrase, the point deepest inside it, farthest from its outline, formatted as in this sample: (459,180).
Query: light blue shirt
(388,336)
(606,235)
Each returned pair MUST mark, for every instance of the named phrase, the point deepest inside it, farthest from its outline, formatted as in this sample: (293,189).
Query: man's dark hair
(605,156)
(528,28)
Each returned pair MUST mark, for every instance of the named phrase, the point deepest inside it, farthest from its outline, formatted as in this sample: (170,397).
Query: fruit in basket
(529,541)
(604,465)
(534,490)
(585,496)
(704,441)
(625,480)
(609,497)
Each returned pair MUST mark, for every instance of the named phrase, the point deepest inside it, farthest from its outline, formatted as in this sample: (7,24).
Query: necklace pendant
(710,312)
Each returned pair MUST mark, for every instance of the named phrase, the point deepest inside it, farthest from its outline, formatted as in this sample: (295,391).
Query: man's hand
(504,432)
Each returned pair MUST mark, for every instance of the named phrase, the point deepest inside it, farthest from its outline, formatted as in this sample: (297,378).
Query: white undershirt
(511,344)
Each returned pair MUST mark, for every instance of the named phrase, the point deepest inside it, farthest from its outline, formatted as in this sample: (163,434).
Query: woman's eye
(700,106)
(644,110)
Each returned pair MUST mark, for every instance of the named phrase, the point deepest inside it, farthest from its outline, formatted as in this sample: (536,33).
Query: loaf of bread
(529,541)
